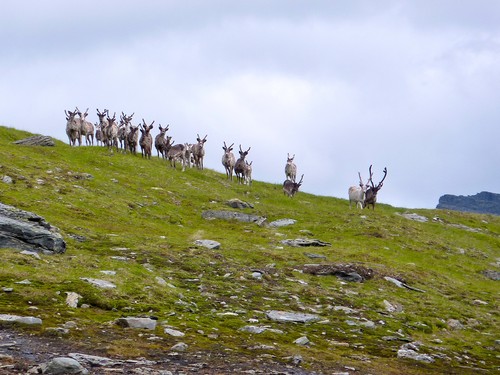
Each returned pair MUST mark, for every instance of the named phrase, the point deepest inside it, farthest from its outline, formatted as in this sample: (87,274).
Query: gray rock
(491,274)
(24,230)
(99,283)
(141,323)
(412,354)
(180,347)
(63,366)
(7,179)
(233,215)
(303,242)
(72,299)
(302,341)
(282,223)
(94,361)
(36,140)
(414,217)
(253,329)
(174,332)
(30,320)
(209,244)
(291,317)
(315,256)
(236,203)
(454,324)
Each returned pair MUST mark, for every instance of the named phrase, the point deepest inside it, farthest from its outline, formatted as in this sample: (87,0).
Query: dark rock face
(27,231)
(483,203)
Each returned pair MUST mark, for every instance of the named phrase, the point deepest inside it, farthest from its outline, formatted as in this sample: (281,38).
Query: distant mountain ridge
(483,203)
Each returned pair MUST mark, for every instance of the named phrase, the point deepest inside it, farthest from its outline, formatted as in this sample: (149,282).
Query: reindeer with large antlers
(228,160)
(103,127)
(146,140)
(357,193)
(86,128)
(240,167)
(371,192)
(291,187)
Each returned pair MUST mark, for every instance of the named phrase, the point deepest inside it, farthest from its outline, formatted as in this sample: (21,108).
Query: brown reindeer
(240,167)
(291,187)
(371,192)
(228,160)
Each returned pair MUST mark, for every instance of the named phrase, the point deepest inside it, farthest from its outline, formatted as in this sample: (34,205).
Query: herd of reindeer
(123,135)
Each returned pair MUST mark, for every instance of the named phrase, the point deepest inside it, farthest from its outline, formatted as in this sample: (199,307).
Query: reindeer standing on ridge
(146,140)
(357,193)
(291,187)
(72,127)
(199,152)
(240,166)
(103,126)
(160,141)
(86,128)
(228,160)
(371,192)
(290,168)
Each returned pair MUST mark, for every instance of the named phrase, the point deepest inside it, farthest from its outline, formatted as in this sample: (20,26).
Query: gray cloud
(411,86)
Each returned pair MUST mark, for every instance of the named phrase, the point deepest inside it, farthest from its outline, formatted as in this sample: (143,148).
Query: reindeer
(371,192)
(132,139)
(188,154)
(228,160)
(290,168)
(291,187)
(248,172)
(98,134)
(240,166)
(124,129)
(103,124)
(112,132)
(357,193)
(199,152)
(146,140)
(86,127)
(175,152)
(72,127)
(160,141)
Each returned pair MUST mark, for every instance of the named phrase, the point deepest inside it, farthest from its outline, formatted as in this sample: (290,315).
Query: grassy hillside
(107,205)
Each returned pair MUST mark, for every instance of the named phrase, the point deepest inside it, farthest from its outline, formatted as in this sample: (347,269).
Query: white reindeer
(86,128)
(290,168)
(240,166)
(357,193)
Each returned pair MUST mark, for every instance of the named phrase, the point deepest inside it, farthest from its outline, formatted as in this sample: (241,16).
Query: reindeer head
(243,154)
(226,149)
(288,158)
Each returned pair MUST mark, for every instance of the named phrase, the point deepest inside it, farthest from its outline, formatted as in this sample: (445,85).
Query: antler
(301,178)
(360,180)
(371,175)
(381,182)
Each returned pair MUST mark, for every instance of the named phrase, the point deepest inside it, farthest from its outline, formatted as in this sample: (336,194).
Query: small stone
(7,179)
(302,341)
(209,244)
(63,365)
(454,324)
(174,333)
(180,347)
(72,299)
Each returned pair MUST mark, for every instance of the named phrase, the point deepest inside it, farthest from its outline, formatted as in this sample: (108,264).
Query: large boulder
(24,230)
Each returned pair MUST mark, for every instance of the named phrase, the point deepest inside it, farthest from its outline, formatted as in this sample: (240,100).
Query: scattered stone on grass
(304,242)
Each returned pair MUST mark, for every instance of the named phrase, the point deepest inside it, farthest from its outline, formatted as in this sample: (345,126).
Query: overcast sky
(413,86)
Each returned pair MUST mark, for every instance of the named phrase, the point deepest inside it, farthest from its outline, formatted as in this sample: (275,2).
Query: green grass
(108,204)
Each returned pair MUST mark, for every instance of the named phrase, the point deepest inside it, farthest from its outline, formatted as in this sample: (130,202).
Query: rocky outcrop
(483,203)
(37,140)
(24,230)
